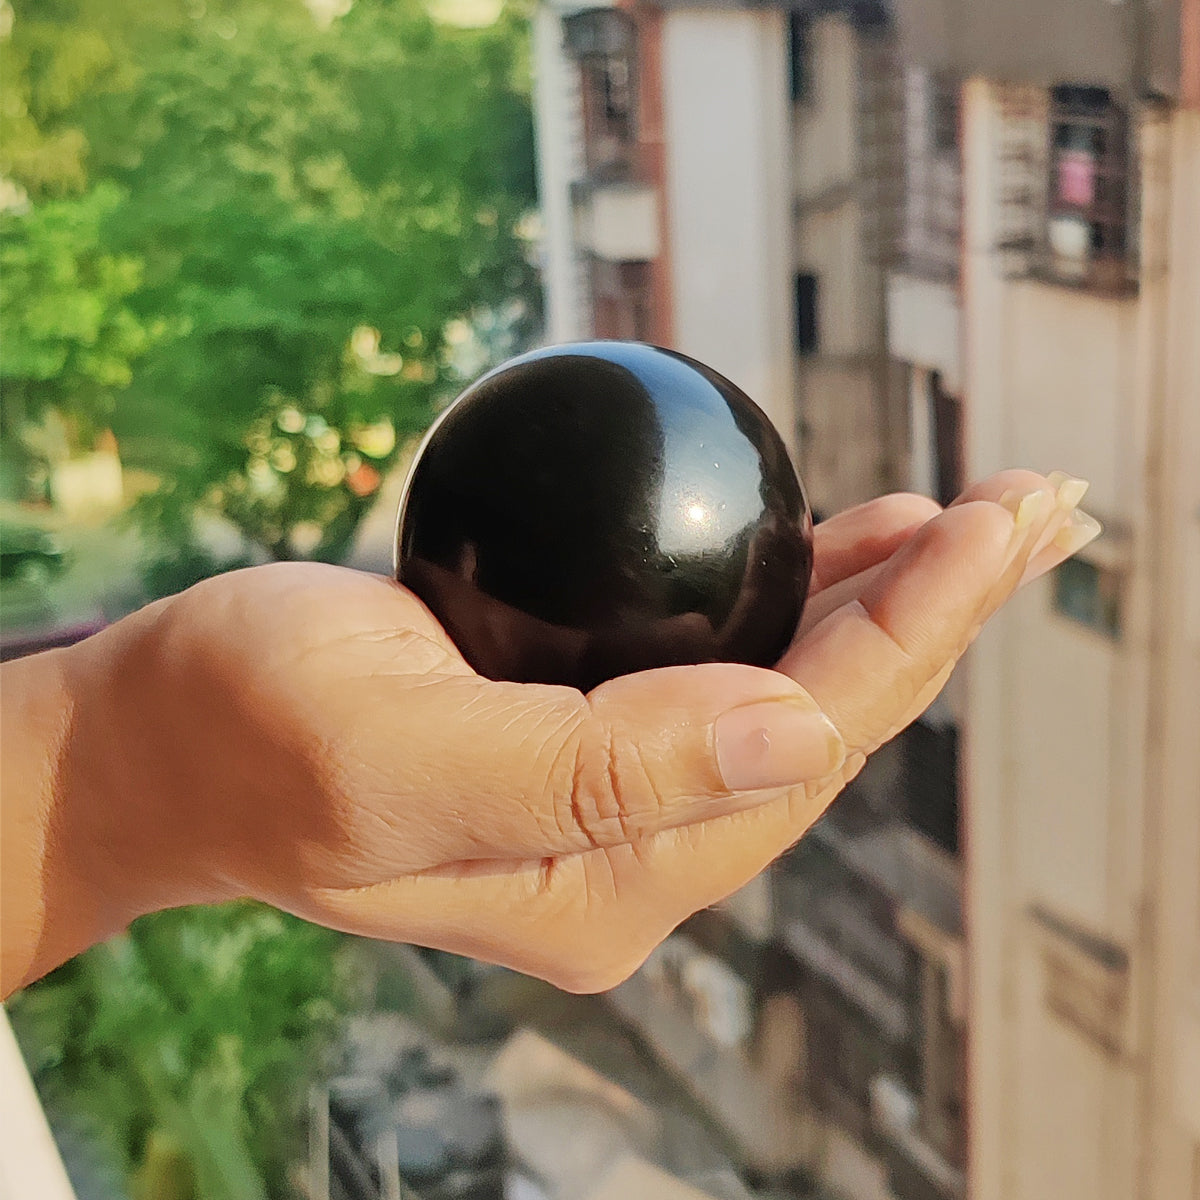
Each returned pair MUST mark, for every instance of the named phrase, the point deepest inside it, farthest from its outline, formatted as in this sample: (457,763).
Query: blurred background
(250,248)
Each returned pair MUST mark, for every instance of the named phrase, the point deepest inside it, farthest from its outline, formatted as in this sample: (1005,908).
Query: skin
(308,736)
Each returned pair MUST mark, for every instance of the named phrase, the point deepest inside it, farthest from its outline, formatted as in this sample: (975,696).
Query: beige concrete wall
(1171,1149)
(1076,804)
(925,326)
(841,445)
(829,243)
(844,419)
(1010,812)
(560,161)
(1060,735)
(1070,386)
(825,130)
(728,155)
(829,219)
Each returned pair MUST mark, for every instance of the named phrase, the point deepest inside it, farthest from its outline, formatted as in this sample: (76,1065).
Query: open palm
(332,753)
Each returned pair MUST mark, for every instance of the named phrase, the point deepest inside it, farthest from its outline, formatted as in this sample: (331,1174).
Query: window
(928,184)
(1086,592)
(931,782)
(609,104)
(1067,187)
(1086,209)
(845,1053)
(942,114)
(617,101)
(622,300)
(806,313)
(943,1068)
(947,421)
(604,43)
(800,61)
(936,431)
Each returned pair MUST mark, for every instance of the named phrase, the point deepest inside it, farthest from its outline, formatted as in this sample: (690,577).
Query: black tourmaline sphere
(590,510)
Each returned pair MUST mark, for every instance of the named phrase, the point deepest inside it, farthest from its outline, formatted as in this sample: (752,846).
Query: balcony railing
(1069,188)
(616,220)
(916,1171)
(911,164)
(931,222)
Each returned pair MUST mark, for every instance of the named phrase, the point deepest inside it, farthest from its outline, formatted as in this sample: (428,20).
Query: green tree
(59,58)
(70,335)
(189,1044)
(56,56)
(251,238)
(315,206)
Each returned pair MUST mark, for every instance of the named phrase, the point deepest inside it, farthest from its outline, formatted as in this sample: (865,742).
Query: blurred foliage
(188,1045)
(305,209)
(254,244)
(70,335)
(177,568)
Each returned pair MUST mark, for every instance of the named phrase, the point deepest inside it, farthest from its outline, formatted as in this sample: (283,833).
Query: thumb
(538,771)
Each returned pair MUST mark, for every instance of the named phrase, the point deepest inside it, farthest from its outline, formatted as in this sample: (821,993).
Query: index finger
(867,662)
(867,534)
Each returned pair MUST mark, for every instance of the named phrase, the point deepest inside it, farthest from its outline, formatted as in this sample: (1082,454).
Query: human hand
(309,736)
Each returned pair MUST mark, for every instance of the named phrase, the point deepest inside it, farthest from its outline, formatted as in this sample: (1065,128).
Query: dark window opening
(622,300)
(946,413)
(943,114)
(843,1059)
(604,42)
(608,96)
(618,107)
(931,782)
(1068,188)
(800,61)
(806,313)
(1090,595)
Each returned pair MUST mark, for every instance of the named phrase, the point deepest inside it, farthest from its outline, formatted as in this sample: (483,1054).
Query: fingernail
(776,743)
(1029,511)
(1080,529)
(1026,507)
(1068,491)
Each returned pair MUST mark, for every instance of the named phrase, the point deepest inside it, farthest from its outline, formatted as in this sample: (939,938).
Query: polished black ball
(590,510)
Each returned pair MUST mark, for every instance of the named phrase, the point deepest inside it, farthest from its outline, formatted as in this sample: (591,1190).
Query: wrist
(125,799)
(34,731)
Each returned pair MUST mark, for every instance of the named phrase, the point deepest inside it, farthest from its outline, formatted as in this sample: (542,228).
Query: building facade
(1079,271)
(935,241)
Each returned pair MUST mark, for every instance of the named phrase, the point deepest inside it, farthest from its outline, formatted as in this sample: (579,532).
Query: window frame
(801,61)
(1108,618)
(1086,227)
(806,296)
